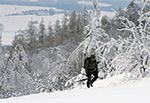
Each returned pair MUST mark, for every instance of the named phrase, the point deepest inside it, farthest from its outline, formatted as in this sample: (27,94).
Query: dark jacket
(90,65)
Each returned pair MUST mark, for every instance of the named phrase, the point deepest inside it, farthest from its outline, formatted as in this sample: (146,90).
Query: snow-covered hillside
(112,90)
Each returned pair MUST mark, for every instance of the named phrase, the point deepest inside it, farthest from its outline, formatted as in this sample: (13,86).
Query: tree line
(38,35)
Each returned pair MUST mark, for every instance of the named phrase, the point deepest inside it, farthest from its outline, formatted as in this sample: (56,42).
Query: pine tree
(32,31)
(65,24)
(73,23)
(57,26)
(50,34)
(32,36)
(42,31)
(50,29)
(65,27)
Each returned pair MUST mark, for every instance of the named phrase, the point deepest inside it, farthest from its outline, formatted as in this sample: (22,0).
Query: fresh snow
(112,90)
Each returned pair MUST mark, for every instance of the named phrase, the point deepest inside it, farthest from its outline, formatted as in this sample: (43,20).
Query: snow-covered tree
(73,23)
(95,37)
(50,29)
(136,60)
(116,56)
(57,26)
(32,31)
(65,24)
(15,79)
(85,16)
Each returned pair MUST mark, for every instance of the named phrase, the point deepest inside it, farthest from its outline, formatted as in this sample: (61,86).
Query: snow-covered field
(91,3)
(14,23)
(10,9)
(112,90)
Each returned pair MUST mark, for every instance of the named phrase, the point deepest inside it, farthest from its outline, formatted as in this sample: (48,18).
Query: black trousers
(91,80)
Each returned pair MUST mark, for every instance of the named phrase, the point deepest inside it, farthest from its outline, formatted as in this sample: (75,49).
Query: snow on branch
(128,26)
(139,30)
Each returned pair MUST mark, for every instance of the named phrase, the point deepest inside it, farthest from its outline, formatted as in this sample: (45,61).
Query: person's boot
(88,84)
(92,81)
(91,84)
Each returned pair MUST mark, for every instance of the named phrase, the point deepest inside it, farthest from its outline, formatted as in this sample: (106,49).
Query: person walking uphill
(91,68)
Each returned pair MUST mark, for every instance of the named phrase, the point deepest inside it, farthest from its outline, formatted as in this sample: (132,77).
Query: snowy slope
(112,90)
